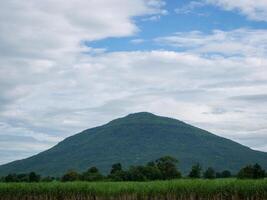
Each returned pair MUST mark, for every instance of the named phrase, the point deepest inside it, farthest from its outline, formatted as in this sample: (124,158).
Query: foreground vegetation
(181,189)
(161,169)
(159,179)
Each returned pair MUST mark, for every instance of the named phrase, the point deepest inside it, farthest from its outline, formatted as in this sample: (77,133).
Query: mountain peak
(140,115)
(144,118)
(143,113)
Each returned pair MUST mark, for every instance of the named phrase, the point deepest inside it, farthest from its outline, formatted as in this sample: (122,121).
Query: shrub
(195,171)
(209,173)
(11,178)
(136,173)
(92,174)
(224,174)
(33,177)
(251,172)
(115,168)
(70,176)
(167,167)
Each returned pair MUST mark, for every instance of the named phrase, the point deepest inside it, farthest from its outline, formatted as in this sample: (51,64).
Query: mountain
(137,139)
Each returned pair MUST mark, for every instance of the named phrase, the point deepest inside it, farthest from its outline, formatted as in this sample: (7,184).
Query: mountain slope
(137,139)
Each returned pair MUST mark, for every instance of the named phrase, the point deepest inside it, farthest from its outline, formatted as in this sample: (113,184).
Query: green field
(173,190)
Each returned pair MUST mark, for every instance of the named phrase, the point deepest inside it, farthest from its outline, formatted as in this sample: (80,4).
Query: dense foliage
(31,177)
(224,174)
(164,168)
(195,171)
(252,172)
(161,169)
(209,173)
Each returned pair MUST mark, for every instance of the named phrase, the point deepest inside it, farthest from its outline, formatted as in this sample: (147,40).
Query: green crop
(219,189)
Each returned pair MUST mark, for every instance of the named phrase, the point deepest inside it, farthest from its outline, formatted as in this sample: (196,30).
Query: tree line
(164,168)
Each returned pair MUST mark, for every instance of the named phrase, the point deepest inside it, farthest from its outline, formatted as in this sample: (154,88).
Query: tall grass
(225,189)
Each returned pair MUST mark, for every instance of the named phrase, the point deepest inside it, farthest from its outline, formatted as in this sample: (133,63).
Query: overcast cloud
(52,85)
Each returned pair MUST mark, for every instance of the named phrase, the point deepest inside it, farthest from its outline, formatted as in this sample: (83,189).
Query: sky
(66,66)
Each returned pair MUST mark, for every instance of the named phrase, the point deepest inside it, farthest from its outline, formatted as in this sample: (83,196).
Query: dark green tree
(93,170)
(11,178)
(33,177)
(258,172)
(251,172)
(223,174)
(167,167)
(92,174)
(144,173)
(195,171)
(117,173)
(71,175)
(209,173)
(136,173)
(226,174)
(151,164)
(152,173)
(246,172)
(119,176)
(22,177)
(115,168)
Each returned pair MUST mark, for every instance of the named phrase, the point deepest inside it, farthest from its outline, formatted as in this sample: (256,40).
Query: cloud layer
(53,85)
(42,48)
(254,10)
(237,42)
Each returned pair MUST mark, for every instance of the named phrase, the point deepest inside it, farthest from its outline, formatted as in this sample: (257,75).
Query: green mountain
(137,139)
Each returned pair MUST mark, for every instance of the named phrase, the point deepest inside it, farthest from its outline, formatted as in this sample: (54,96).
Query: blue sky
(180,17)
(66,66)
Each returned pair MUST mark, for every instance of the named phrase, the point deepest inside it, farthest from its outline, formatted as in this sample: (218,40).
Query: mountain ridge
(136,139)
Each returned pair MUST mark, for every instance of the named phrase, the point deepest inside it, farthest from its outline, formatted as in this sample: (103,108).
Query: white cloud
(246,42)
(152,18)
(53,86)
(137,41)
(47,29)
(108,85)
(254,10)
(190,7)
(42,42)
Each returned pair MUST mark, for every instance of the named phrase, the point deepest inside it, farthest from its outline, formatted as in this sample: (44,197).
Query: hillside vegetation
(135,140)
